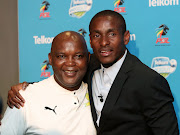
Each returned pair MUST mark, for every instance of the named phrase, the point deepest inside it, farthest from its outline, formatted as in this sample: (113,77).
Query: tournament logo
(43,10)
(164,66)
(78,8)
(117,8)
(44,68)
(82,32)
(161,32)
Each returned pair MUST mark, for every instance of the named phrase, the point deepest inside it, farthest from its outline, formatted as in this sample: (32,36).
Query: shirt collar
(114,69)
(63,90)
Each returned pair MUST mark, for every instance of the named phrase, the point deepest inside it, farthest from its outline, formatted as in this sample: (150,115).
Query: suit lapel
(94,65)
(116,88)
(93,110)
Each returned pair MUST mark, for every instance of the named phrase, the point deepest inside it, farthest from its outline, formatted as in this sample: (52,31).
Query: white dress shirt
(100,88)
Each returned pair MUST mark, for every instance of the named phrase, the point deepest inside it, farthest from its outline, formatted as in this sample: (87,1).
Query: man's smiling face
(69,60)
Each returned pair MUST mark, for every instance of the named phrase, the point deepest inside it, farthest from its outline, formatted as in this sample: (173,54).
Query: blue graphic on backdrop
(164,66)
(78,8)
(43,10)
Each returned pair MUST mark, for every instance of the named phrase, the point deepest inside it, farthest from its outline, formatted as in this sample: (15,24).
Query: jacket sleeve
(158,108)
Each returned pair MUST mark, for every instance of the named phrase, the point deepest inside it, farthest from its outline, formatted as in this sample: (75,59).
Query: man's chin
(107,62)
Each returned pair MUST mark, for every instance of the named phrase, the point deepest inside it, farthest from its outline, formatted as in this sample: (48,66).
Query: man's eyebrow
(59,52)
(80,52)
(96,31)
(111,30)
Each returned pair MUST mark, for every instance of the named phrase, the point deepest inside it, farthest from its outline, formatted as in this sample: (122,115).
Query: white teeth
(104,51)
(69,71)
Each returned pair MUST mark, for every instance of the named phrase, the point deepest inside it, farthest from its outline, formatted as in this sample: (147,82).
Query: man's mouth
(105,53)
(70,73)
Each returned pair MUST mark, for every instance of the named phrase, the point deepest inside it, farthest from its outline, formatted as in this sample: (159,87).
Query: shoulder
(37,88)
(141,73)
(142,69)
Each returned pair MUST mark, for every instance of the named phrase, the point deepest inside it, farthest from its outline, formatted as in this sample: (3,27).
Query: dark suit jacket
(139,102)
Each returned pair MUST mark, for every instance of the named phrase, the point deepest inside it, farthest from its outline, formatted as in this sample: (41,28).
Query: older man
(60,104)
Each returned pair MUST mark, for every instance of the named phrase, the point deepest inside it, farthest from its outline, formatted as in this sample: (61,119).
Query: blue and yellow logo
(78,8)
(164,66)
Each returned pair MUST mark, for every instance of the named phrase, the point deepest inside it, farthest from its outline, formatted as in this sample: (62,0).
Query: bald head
(113,14)
(67,36)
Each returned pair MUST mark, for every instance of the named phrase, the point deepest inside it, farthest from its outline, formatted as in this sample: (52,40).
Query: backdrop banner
(153,24)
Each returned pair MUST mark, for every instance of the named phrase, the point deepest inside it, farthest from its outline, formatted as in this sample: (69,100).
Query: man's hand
(14,98)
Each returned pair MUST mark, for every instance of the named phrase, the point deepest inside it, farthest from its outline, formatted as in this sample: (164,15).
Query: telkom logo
(43,40)
(154,3)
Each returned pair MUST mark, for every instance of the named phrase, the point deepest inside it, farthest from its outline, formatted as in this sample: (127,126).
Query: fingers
(15,99)
(24,85)
(10,95)
(16,89)
(14,103)
(9,104)
(21,99)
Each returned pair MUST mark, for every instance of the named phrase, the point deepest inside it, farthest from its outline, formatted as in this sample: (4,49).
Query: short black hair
(113,14)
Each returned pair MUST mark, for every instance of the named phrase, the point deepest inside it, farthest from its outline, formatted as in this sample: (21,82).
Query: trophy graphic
(164,66)
(78,8)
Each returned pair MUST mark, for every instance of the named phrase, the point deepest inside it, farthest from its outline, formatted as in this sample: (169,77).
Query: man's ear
(50,58)
(126,37)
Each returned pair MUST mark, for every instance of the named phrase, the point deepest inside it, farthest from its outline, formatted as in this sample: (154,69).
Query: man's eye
(96,35)
(60,56)
(78,56)
(112,34)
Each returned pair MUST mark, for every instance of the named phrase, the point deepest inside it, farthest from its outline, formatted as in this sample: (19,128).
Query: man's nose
(104,41)
(70,61)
